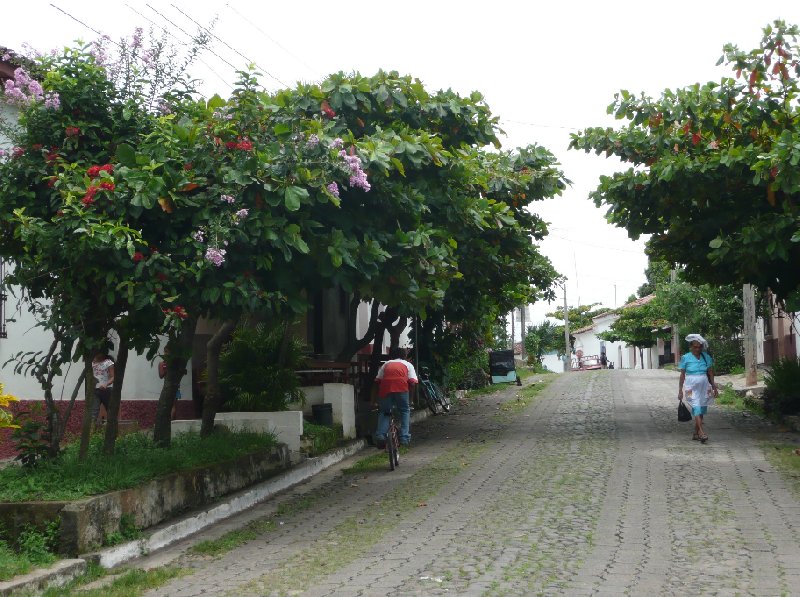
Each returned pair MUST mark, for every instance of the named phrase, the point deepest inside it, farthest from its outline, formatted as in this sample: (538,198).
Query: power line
(183,43)
(186,34)
(266,35)
(90,28)
(227,45)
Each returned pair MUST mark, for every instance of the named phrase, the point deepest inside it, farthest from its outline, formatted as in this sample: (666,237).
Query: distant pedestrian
(103,371)
(162,373)
(696,384)
(393,383)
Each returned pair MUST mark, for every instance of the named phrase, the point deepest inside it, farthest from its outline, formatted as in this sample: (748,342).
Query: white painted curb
(181,528)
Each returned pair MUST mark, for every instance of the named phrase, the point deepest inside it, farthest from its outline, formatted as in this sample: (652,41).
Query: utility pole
(749,334)
(513,335)
(676,341)
(522,331)
(568,352)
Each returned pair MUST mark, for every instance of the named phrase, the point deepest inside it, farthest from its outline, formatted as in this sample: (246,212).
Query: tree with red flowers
(713,173)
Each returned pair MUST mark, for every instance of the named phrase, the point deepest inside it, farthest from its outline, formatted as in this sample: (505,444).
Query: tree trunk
(112,423)
(177,353)
(395,331)
(354,344)
(60,423)
(89,398)
(211,403)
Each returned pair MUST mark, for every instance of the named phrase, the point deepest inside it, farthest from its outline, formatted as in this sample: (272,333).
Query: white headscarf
(697,338)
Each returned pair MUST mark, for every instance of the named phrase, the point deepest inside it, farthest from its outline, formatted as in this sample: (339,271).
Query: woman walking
(697,382)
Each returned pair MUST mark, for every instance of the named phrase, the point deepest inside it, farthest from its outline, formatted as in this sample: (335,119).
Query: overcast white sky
(546,68)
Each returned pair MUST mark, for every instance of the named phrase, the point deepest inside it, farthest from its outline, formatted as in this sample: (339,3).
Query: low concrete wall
(86,523)
(286,426)
(341,397)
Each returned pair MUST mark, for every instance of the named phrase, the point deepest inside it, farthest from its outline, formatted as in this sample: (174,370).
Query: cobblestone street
(593,489)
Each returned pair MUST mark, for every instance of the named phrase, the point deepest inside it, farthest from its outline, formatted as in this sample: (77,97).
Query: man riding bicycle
(393,381)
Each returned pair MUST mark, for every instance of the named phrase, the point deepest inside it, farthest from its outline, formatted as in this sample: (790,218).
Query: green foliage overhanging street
(713,169)
(131,203)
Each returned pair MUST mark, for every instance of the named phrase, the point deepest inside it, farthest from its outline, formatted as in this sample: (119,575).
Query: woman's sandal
(695,437)
(703,439)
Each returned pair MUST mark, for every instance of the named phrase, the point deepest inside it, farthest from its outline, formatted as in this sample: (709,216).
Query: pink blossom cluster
(313,141)
(22,90)
(333,189)
(228,199)
(358,178)
(240,215)
(337,143)
(198,235)
(215,256)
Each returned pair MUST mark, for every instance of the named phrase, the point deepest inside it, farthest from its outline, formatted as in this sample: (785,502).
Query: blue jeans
(398,400)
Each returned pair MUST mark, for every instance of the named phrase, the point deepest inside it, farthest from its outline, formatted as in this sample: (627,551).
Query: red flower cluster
(52,155)
(94,171)
(188,166)
(327,110)
(36,146)
(161,276)
(138,256)
(52,181)
(72,131)
(243,145)
(179,311)
(107,185)
(88,198)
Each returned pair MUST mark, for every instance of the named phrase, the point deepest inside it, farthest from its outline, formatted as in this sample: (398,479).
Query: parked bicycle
(435,398)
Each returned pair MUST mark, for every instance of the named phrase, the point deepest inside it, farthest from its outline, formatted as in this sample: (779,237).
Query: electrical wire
(267,36)
(230,47)
(77,20)
(183,43)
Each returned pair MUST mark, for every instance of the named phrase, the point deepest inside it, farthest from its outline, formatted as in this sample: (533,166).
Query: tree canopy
(130,203)
(713,168)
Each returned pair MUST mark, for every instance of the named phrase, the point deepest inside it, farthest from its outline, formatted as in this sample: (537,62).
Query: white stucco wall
(141,376)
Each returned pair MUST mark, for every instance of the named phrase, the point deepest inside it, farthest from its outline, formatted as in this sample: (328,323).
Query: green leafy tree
(713,172)
(543,338)
(580,316)
(657,273)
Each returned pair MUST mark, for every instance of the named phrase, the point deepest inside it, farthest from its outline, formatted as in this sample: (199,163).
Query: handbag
(684,414)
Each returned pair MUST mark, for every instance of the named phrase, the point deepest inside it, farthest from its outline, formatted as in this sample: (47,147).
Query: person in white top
(103,371)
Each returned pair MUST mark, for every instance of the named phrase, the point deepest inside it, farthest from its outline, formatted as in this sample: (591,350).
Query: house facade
(587,343)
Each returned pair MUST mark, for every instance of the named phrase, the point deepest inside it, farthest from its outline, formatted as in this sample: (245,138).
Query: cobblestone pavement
(594,489)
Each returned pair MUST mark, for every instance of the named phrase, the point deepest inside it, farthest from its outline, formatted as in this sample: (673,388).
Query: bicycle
(393,443)
(435,398)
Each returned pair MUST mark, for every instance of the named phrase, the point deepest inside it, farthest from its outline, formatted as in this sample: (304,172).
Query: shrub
(257,369)
(727,354)
(321,438)
(782,394)
(467,367)
(31,438)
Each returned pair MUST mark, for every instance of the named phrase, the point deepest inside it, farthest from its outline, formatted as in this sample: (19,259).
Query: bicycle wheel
(427,393)
(443,400)
(396,441)
(391,447)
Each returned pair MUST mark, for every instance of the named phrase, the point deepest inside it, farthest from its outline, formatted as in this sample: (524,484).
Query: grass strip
(136,460)
(132,583)
(728,397)
(357,535)
(525,397)
(379,461)
(786,459)
(254,529)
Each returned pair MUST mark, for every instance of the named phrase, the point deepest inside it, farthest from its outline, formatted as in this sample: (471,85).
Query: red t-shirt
(395,375)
